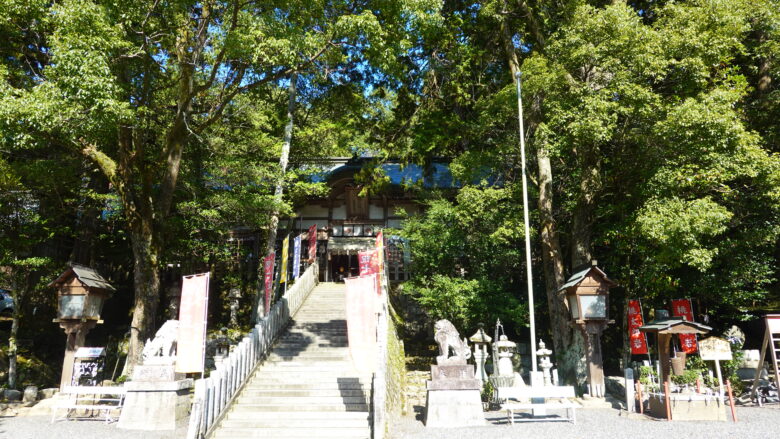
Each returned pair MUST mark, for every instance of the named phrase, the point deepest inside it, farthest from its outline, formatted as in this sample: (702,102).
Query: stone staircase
(307,387)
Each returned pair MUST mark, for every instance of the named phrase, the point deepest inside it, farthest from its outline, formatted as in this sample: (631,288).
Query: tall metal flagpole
(527,232)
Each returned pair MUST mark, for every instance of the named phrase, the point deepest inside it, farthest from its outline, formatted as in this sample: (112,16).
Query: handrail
(214,394)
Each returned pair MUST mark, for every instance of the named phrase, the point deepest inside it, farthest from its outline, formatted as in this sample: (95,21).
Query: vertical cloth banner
(297,257)
(369,262)
(312,243)
(638,340)
(268,272)
(682,308)
(191,342)
(361,321)
(380,249)
(285,256)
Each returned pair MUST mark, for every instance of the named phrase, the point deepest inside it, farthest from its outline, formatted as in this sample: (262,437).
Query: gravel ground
(40,427)
(754,423)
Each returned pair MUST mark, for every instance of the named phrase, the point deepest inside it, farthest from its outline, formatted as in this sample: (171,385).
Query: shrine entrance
(343,266)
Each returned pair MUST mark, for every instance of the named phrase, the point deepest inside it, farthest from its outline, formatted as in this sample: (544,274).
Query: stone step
(307,387)
(308,364)
(261,384)
(297,421)
(298,415)
(310,352)
(246,407)
(278,393)
(293,346)
(310,357)
(311,337)
(288,433)
(317,332)
(337,401)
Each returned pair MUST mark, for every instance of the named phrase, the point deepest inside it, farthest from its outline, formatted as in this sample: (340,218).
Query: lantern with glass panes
(587,294)
(81,293)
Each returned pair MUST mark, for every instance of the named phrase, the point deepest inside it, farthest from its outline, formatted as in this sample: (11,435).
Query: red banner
(191,342)
(380,249)
(682,308)
(369,262)
(312,243)
(638,340)
(268,271)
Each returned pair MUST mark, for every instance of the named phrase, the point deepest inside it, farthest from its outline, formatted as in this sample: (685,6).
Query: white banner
(297,257)
(191,345)
(361,321)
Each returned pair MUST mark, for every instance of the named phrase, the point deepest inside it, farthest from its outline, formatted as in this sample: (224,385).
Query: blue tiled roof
(436,175)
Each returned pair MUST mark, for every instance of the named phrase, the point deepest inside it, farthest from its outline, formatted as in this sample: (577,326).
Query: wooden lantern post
(81,293)
(587,294)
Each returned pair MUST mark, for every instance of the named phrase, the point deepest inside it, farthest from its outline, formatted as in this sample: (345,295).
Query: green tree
(131,86)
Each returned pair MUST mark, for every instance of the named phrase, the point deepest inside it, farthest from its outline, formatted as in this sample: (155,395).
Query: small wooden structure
(664,329)
(81,293)
(587,294)
(771,343)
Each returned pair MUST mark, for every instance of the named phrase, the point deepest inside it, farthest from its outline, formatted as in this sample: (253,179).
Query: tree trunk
(582,221)
(146,278)
(259,309)
(568,343)
(12,344)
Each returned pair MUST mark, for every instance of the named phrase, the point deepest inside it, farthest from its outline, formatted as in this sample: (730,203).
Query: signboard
(268,273)
(715,348)
(312,243)
(191,343)
(90,352)
(682,308)
(297,257)
(638,340)
(369,262)
(285,256)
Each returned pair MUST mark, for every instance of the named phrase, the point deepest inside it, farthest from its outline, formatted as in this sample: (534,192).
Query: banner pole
(532,324)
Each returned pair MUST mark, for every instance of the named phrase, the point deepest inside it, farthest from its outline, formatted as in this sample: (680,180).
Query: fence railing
(215,393)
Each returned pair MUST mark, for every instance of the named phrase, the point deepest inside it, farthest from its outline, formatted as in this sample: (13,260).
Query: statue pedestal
(454,397)
(155,399)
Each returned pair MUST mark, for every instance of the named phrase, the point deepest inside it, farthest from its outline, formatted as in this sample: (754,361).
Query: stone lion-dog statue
(448,339)
(162,348)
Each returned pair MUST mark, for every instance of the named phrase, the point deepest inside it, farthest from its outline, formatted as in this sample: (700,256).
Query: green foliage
(688,377)
(466,260)
(647,377)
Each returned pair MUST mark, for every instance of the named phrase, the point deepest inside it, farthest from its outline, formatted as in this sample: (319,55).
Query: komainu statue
(162,348)
(448,339)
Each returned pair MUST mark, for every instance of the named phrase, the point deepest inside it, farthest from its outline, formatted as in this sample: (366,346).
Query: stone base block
(454,408)
(685,409)
(155,405)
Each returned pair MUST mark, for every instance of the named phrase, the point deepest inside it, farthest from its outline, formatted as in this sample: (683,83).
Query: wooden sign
(715,349)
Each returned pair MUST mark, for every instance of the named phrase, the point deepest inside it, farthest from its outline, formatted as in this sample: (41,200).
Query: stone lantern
(481,341)
(587,294)
(505,349)
(81,293)
(544,362)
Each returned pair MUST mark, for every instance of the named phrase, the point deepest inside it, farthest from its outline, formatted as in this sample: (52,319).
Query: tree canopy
(137,134)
